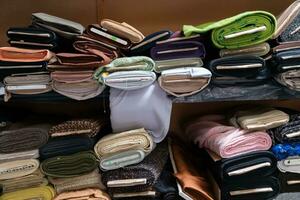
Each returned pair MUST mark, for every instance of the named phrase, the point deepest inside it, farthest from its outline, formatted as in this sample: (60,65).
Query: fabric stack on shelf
(238,151)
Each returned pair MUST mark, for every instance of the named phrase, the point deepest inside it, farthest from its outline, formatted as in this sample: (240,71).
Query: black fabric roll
(290,182)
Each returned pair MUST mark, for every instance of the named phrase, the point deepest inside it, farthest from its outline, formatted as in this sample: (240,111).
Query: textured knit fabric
(149,108)
(149,169)
(41,193)
(235,25)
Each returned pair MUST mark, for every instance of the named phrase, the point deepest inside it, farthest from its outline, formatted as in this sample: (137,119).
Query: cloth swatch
(42,192)
(6,157)
(18,168)
(86,194)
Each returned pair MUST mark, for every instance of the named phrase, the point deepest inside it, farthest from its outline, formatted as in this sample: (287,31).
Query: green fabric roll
(71,165)
(41,193)
(237,24)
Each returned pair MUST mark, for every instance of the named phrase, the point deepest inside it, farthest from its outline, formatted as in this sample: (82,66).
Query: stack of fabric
(238,151)
(20,175)
(69,162)
(287,151)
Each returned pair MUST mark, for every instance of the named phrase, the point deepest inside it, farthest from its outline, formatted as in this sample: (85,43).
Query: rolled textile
(162,65)
(145,195)
(62,146)
(72,76)
(70,166)
(289,182)
(285,22)
(184,81)
(88,126)
(259,118)
(249,166)
(137,178)
(192,178)
(90,180)
(6,157)
(32,180)
(255,50)
(13,54)
(262,189)
(290,164)
(288,132)
(283,151)
(86,194)
(289,79)
(245,29)
(131,110)
(286,60)
(42,192)
(227,141)
(18,168)
(285,46)
(23,136)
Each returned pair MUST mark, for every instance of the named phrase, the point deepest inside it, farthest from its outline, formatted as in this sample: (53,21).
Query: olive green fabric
(41,193)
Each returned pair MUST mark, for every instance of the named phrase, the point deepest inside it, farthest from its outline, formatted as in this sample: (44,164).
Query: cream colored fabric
(18,168)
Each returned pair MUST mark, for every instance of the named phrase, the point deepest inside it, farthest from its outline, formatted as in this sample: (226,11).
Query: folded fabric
(162,65)
(32,38)
(283,151)
(171,49)
(148,42)
(70,166)
(62,146)
(13,54)
(108,39)
(262,189)
(79,90)
(42,192)
(288,21)
(287,60)
(137,178)
(288,132)
(88,126)
(90,180)
(6,157)
(255,50)
(82,61)
(122,30)
(23,136)
(88,45)
(32,180)
(184,81)
(259,118)
(247,69)
(250,166)
(193,179)
(85,194)
(148,194)
(245,29)
(289,182)
(18,168)
(62,27)
(28,83)
(210,132)
(285,46)
(72,76)
(290,164)
(132,109)
(289,79)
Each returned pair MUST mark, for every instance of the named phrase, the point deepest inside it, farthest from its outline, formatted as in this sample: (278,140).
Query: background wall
(147,15)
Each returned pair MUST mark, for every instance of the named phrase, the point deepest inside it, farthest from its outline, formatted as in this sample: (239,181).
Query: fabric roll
(259,118)
(69,166)
(211,132)
(285,46)
(286,60)
(184,81)
(42,192)
(290,164)
(6,157)
(283,151)
(244,167)
(255,50)
(261,189)
(245,29)
(13,54)
(88,126)
(289,79)
(23,136)
(192,177)
(145,195)
(288,132)
(162,65)
(86,194)
(131,110)
(35,179)
(18,168)
(63,146)
(289,182)
(137,178)
(80,60)
(90,180)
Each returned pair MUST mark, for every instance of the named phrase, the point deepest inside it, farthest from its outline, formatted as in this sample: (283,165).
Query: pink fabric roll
(227,141)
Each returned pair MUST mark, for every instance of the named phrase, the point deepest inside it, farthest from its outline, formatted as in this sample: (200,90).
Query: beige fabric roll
(86,194)
(18,168)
